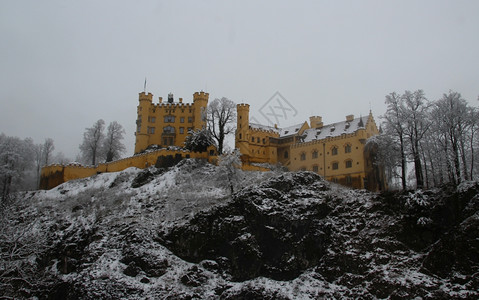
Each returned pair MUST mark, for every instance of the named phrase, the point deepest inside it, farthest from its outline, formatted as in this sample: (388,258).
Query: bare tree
(92,142)
(230,168)
(16,157)
(48,148)
(113,148)
(395,128)
(416,113)
(221,118)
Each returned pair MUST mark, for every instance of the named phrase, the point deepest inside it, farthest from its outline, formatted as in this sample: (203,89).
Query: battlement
(200,96)
(146,97)
(242,106)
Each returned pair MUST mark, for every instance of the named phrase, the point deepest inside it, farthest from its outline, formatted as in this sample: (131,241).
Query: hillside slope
(178,234)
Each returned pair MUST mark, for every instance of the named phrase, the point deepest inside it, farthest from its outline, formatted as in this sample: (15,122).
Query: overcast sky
(65,64)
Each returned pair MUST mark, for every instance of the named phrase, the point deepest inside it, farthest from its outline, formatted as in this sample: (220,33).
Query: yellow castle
(164,125)
(167,123)
(336,151)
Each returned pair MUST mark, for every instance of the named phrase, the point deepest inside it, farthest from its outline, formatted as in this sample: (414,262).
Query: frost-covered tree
(455,125)
(112,146)
(48,147)
(387,156)
(221,116)
(16,158)
(394,127)
(416,119)
(199,140)
(230,166)
(92,142)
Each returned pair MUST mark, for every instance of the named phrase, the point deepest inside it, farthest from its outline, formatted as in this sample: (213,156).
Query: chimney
(349,118)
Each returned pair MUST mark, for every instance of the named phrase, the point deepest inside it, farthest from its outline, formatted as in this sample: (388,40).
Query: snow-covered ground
(100,238)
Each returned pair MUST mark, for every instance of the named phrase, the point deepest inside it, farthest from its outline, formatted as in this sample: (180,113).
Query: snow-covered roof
(291,130)
(335,129)
(264,127)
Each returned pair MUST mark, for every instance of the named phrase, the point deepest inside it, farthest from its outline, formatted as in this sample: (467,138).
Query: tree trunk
(403,163)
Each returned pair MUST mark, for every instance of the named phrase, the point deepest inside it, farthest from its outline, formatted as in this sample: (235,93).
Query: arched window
(347,148)
(334,150)
(286,154)
(169,129)
(303,156)
(169,119)
(315,153)
(315,168)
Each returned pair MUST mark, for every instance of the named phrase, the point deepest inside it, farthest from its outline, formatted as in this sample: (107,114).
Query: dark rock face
(294,236)
(146,176)
(274,231)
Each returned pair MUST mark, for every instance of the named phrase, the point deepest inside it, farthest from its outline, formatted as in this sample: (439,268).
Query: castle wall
(318,156)
(54,175)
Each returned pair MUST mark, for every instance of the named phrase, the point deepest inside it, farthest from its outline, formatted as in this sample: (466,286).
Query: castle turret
(200,102)
(145,101)
(316,122)
(242,129)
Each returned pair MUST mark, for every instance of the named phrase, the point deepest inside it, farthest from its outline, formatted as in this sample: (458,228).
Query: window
(303,156)
(182,129)
(285,154)
(190,119)
(349,163)
(151,130)
(349,180)
(169,119)
(315,154)
(169,129)
(334,151)
(190,129)
(315,168)
(347,148)
(182,120)
(335,165)
(151,119)
(252,139)
(257,140)
(240,136)
(264,141)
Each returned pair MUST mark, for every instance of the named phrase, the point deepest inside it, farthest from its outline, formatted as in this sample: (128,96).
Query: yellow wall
(54,175)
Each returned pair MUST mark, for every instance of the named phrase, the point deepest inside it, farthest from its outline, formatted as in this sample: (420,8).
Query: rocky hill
(180,234)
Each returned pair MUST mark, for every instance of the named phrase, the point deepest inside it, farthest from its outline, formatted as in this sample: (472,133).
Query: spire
(144,87)
(360,124)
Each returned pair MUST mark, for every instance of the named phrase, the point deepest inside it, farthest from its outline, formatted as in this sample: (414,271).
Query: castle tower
(315,122)
(200,102)
(142,136)
(242,129)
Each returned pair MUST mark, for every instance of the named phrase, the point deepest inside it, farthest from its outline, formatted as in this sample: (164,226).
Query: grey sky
(66,64)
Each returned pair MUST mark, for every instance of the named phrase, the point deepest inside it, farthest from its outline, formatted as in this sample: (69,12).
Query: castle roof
(335,129)
(264,127)
(291,130)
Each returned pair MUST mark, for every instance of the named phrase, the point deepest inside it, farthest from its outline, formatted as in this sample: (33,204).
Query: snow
(106,206)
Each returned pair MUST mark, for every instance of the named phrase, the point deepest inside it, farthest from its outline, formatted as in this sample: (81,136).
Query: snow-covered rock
(180,234)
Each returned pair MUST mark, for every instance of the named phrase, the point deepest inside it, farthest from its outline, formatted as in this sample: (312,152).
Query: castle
(168,123)
(336,151)
(161,130)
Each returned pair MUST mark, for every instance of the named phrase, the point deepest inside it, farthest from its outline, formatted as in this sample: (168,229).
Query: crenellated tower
(200,103)
(142,137)
(242,129)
